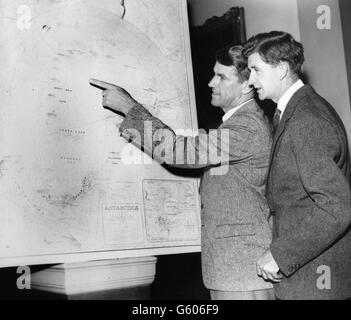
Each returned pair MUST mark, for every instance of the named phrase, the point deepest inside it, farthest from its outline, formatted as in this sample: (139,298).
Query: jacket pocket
(234,230)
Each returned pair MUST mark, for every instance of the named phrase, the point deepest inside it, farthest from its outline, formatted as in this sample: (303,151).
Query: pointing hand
(114,97)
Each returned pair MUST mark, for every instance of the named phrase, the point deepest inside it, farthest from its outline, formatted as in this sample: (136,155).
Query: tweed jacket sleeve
(229,143)
(315,146)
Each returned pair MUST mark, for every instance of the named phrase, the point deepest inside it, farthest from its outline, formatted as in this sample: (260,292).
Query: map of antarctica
(68,182)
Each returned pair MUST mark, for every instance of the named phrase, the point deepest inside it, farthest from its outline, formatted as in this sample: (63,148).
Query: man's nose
(211,84)
(251,80)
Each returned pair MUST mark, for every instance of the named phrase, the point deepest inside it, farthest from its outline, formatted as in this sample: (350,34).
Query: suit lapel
(289,111)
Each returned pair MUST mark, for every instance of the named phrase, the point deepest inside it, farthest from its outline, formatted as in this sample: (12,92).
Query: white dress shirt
(284,99)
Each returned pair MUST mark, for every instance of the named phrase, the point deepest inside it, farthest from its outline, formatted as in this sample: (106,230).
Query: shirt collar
(229,113)
(283,101)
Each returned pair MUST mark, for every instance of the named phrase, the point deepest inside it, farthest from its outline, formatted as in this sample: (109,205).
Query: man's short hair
(232,56)
(274,47)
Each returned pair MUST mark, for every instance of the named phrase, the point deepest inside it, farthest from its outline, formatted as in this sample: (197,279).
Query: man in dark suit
(234,212)
(308,184)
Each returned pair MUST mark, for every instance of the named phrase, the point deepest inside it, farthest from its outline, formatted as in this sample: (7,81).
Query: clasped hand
(267,268)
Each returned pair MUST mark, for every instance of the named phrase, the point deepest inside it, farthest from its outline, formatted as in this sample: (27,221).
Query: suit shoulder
(314,119)
(310,107)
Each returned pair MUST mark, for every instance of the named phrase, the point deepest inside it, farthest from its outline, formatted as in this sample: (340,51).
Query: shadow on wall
(214,34)
(179,277)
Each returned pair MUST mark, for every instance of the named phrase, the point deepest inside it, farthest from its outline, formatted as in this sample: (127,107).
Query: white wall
(260,15)
(325,64)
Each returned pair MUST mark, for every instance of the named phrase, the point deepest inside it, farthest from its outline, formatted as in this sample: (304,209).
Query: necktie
(276,119)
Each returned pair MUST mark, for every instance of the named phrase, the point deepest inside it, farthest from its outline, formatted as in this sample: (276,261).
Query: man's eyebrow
(221,75)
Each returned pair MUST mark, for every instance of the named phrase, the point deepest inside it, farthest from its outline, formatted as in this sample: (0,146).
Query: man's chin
(261,97)
(214,103)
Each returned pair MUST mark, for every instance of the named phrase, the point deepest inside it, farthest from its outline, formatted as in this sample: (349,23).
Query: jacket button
(291,268)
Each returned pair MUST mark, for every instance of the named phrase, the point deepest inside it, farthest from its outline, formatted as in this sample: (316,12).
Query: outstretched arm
(228,144)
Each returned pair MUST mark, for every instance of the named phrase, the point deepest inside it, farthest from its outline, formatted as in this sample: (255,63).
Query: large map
(70,187)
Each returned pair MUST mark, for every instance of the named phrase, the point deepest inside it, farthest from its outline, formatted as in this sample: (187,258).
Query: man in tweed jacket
(235,229)
(308,186)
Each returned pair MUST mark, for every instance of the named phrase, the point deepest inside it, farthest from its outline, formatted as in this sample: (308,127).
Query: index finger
(101,84)
(278,275)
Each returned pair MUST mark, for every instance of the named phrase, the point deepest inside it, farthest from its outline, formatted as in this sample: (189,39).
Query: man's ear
(284,68)
(245,87)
